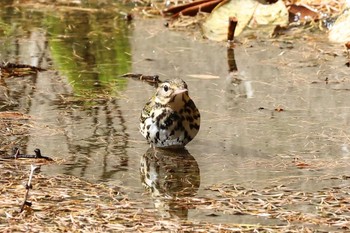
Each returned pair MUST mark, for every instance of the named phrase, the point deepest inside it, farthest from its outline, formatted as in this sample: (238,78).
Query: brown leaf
(303,12)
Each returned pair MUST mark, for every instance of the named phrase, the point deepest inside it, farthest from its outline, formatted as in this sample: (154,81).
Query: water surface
(284,103)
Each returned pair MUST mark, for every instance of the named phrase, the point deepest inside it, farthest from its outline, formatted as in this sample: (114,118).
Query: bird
(170,118)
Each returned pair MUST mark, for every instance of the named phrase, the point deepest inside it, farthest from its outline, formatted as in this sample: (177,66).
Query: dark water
(282,101)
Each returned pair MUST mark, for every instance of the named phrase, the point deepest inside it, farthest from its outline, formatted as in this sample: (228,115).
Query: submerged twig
(28,186)
(18,70)
(232,65)
(17,155)
(153,80)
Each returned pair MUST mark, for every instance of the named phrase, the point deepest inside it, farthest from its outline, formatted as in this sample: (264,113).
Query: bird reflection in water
(170,175)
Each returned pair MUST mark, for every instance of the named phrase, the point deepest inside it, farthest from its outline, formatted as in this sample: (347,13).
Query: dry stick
(28,186)
(17,155)
(17,152)
(179,8)
(204,7)
(232,23)
(152,80)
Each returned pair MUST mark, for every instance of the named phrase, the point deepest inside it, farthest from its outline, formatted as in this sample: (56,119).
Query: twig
(178,8)
(38,155)
(232,66)
(16,152)
(204,7)
(17,155)
(28,186)
(18,70)
(347,45)
(232,24)
(153,80)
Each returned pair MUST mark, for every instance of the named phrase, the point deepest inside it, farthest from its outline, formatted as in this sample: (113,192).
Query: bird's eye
(166,88)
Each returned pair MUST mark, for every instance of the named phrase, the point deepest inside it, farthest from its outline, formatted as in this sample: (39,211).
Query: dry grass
(66,203)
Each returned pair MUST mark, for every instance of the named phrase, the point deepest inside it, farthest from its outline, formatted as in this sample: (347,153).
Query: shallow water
(259,122)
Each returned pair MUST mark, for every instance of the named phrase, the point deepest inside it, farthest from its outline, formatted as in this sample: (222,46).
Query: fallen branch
(28,186)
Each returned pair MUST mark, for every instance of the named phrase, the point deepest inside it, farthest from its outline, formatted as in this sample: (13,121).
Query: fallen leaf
(340,32)
(249,13)
(303,13)
(215,26)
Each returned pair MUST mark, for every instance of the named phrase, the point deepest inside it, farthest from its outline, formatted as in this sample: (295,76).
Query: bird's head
(169,90)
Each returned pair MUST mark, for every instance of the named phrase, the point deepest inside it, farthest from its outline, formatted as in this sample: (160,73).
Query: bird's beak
(179,91)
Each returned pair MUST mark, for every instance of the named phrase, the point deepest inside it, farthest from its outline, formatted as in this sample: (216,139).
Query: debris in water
(300,164)
(8,69)
(347,45)
(279,109)
(17,155)
(150,79)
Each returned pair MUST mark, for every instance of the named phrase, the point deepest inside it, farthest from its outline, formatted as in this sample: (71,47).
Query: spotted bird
(170,118)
